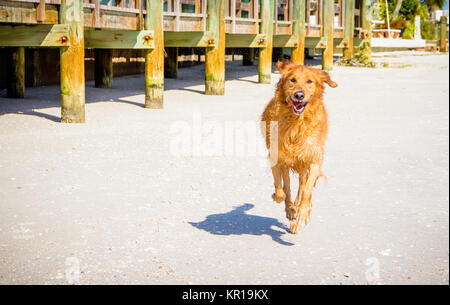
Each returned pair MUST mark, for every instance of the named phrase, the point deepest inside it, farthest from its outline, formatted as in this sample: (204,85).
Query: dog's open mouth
(299,106)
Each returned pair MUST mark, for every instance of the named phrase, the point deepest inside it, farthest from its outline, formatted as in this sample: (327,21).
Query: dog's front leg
(279,194)
(303,205)
(287,187)
(292,208)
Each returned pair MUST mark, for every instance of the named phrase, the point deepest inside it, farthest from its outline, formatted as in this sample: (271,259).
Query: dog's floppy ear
(284,65)
(326,79)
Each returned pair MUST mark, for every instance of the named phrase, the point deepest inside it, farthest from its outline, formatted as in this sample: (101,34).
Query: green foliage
(435,4)
(408,10)
(359,60)
(408,33)
(406,16)
(428,31)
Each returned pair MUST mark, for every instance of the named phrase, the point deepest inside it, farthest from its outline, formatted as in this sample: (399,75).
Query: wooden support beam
(308,15)
(96,16)
(366,24)
(72,63)
(265,54)
(246,40)
(288,41)
(255,15)
(16,73)
(119,39)
(39,35)
(204,14)
(275,17)
(171,63)
(215,56)
(189,39)
(154,58)
(103,68)
(40,11)
(177,11)
(442,34)
(169,6)
(139,5)
(349,28)
(248,57)
(319,13)
(328,32)
(299,31)
(36,69)
(233,16)
(198,6)
(285,41)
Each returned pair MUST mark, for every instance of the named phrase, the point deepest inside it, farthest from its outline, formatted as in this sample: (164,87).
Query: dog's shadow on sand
(238,222)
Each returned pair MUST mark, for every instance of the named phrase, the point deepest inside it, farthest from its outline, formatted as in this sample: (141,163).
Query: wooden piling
(298,30)
(328,33)
(366,23)
(72,63)
(103,68)
(265,54)
(171,63)
(215,56)
(16,73)
(248,57)
(442,34)
(349,28)
(36,71)
(154,58)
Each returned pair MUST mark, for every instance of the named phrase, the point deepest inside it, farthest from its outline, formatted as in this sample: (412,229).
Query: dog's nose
(299,95)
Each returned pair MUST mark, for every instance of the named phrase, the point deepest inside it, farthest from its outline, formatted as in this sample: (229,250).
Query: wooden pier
(161,27)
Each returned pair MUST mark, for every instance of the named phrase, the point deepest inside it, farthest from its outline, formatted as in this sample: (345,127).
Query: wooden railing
(193,7)
(185,15)
(241,16)
(105,25)
(283,17)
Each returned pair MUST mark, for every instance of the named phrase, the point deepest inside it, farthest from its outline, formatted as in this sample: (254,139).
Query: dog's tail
(322,175)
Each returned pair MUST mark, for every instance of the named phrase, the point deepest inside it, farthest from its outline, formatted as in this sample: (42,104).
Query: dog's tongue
(299,107)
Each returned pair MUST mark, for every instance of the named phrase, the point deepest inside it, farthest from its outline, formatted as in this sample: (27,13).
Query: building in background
(436,15)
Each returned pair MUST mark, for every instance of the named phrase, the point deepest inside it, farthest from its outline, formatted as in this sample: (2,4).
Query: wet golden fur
(301,138)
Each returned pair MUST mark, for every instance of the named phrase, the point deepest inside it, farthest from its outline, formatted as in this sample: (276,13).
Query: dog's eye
(309,81)
(293,80)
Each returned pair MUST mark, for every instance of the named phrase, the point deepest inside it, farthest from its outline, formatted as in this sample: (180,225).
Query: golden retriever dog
(301,119)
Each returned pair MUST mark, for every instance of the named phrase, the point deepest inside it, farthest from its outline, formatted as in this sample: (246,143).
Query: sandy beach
(122,199)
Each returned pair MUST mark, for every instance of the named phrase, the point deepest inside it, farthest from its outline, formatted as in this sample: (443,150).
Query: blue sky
(446,5)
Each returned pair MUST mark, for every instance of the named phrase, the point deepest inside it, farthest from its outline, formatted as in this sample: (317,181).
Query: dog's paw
(279,195)
(304,215)
(291,211)
(293,229)
(299,217)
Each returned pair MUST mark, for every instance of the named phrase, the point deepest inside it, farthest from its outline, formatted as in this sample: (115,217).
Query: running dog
(300,114)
